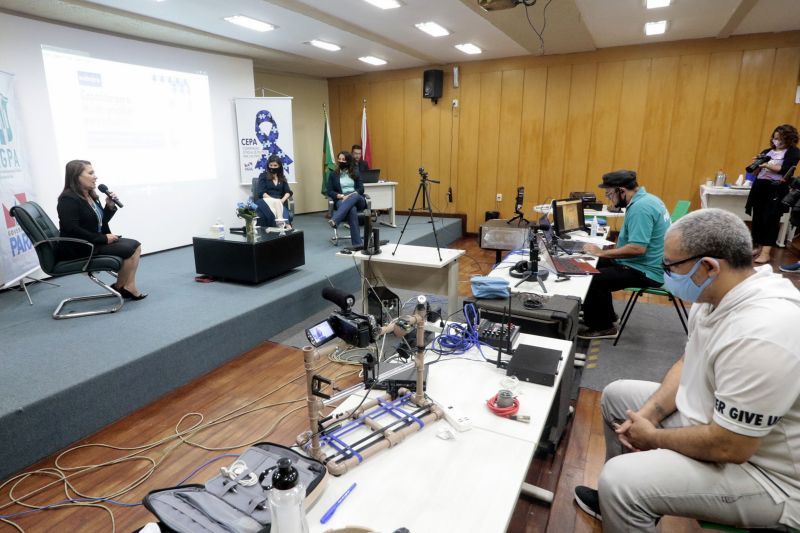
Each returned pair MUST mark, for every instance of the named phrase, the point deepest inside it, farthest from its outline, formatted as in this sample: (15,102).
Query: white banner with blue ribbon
(265,129)
(17,256)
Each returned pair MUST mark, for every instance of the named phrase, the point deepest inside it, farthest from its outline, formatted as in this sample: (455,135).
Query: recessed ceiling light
(655,28)
(432,29)
(384,4)
(469,48)
(325,46)
(249,23)
(372,60)
(654,4)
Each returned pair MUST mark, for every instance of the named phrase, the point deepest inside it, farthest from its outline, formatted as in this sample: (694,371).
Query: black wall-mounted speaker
(432,84)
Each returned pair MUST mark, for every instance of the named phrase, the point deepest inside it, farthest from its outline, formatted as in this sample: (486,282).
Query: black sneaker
(588,333)
(588,500)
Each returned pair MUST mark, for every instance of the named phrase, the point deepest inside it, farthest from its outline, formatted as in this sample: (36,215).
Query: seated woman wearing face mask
(346,190)
(272,195)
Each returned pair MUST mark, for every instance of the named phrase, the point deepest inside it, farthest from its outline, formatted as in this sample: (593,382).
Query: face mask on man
(621,202)
(683,286)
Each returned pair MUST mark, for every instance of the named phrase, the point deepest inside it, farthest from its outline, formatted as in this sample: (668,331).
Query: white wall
(160,216)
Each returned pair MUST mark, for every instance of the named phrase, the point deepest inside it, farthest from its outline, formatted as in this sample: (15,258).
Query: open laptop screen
(568,215)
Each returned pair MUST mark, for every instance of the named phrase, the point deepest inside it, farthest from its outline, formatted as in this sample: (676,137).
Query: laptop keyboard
(567,266)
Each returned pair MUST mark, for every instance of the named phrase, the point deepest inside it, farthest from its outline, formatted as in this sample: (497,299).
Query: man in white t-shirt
(719,438)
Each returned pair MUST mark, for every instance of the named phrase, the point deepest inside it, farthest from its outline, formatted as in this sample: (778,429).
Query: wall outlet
(450,194)
(499,197)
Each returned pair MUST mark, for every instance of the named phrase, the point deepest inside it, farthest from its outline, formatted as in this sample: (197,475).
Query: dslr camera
(760,159)
(353,328)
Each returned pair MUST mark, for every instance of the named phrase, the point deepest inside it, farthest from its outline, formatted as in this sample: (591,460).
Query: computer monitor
(370,176)
(568,215)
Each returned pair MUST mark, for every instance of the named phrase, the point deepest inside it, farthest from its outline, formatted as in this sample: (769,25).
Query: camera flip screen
(320,334)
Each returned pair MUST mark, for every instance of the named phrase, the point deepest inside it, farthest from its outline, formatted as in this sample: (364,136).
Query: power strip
(496,334)
(457,419)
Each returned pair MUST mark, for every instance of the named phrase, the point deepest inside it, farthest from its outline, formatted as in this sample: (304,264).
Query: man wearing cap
(636,259)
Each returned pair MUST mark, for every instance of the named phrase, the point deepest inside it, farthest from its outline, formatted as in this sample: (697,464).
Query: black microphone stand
(426,195)
(533,261)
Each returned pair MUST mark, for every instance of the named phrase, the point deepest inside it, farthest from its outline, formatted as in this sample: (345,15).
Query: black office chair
(366,212)
(253,187)
(44,235)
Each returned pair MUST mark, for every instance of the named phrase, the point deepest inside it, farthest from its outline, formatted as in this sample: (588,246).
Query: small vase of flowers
(247,210)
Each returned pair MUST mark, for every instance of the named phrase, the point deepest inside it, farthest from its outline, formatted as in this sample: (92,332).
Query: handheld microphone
(339,297)
(103,189)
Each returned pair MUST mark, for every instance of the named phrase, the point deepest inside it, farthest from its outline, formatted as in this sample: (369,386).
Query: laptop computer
(566,265)
(371,175)
(569,246)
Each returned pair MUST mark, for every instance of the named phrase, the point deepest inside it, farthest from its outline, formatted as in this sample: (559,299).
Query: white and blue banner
(265,128)
(17,256)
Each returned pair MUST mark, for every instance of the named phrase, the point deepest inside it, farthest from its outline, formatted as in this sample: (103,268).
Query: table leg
(452,287)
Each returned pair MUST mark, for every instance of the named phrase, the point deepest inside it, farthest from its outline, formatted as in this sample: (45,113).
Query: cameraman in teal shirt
(636,260)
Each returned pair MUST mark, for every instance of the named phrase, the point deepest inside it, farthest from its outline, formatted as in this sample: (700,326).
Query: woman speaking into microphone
(81,216)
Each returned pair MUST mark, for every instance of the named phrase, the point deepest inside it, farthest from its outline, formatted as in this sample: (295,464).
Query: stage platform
(61,380)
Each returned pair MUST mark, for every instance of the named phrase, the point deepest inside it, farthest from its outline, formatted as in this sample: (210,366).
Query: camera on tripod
(759,160)
(353,328)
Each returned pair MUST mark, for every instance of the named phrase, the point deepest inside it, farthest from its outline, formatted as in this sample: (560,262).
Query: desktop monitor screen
(568,215)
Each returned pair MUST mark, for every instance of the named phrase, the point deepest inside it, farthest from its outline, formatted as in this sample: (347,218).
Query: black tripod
(426,199)
(533,272)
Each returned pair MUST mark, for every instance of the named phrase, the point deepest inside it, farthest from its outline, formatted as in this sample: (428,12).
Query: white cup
(280,223)
(709,183)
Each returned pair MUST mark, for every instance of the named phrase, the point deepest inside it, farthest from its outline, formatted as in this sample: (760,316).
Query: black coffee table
(254,259)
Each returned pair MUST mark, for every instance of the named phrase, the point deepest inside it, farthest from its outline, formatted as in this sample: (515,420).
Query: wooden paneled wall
(674,112)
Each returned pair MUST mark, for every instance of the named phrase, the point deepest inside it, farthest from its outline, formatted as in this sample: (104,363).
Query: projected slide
(138,125)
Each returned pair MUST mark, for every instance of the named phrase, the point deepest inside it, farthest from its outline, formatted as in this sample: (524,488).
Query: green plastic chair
(680,209)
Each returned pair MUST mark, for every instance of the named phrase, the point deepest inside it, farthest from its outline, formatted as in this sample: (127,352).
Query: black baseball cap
(618,178)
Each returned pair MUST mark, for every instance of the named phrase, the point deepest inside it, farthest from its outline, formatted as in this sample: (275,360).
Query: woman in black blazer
(346,190)
(81,216)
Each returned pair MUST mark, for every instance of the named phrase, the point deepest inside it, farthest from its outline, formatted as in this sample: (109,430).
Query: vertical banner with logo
(264,126)
(17,256)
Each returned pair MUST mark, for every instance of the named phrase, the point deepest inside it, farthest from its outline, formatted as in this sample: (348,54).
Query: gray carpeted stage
(61,380)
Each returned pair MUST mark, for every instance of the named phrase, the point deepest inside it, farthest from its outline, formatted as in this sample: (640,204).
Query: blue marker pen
(329,513)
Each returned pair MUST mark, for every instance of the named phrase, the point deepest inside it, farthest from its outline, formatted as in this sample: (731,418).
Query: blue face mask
(683,286)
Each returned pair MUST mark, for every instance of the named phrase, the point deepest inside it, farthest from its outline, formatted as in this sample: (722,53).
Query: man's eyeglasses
(668,266)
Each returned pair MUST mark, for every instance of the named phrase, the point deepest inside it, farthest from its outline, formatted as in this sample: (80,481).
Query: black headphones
(520,270)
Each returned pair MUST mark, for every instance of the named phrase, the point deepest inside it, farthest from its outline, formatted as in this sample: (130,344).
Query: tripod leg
(410,214)
(427,195)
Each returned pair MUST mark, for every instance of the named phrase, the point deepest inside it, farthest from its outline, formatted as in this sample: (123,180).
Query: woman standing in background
(769,188)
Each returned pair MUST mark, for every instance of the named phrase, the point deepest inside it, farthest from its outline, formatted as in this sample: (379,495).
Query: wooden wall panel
(633,104)
(750,104)
(393,169)
(466,173)
(675,112)
(509,139)
(604,122)
(412,141)
(718,111)
(489,133)
(379,136)
(658,126)
(678,183)
(781,108)
(534,94)
(579,126)
(555,130)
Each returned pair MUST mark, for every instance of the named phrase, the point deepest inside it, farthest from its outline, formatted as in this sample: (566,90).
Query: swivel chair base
(111,293)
